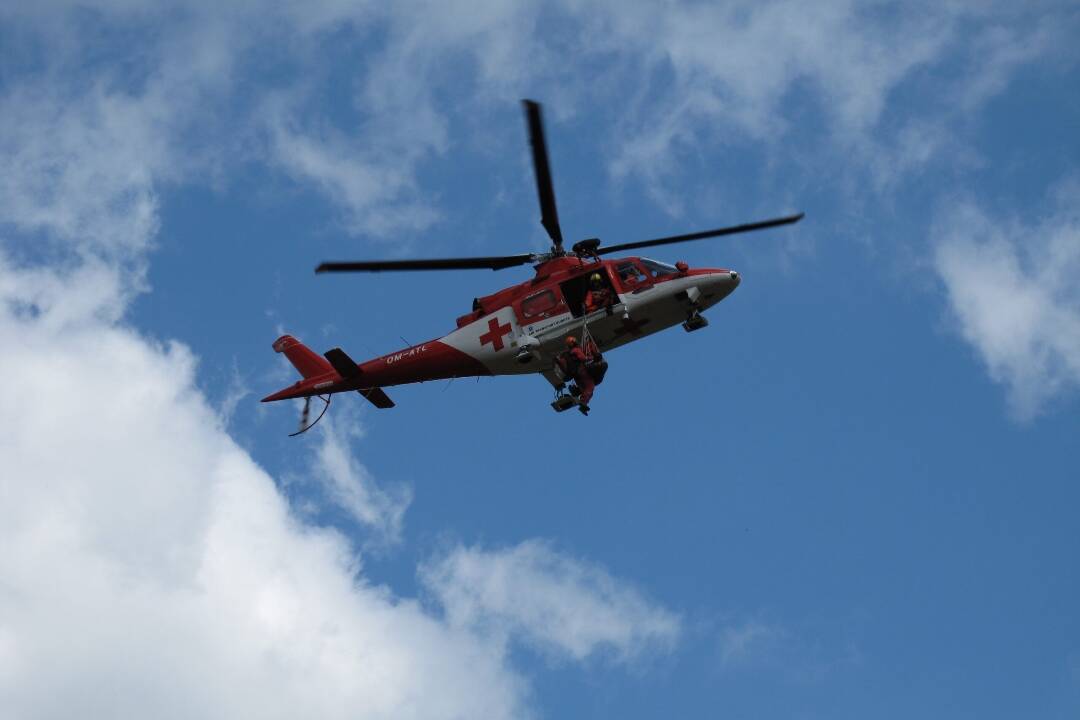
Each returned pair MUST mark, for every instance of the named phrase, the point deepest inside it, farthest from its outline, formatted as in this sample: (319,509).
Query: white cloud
(376,190)
(746,642)
(1012,290)
(754,645)
(350,486)
(80,165)
(151,568)
(705,75)
(90,142)
(756,73)
(237,390)
(566,607)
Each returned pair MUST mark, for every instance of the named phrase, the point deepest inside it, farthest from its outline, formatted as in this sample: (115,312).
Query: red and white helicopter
(523,329)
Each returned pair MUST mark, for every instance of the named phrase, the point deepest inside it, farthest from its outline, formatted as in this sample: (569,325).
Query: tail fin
(301,356)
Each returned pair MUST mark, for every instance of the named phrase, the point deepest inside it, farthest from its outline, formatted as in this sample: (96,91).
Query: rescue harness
(595,364)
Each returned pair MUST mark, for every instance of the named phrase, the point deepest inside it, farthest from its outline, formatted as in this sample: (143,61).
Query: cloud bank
(150,567)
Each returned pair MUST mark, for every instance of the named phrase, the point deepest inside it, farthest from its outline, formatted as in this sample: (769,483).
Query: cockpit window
(657,268)
(629,274)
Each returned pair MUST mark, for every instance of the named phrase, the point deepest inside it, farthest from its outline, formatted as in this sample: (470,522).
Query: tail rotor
(306,414)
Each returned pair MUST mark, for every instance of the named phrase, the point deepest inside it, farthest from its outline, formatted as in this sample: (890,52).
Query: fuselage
(523,328)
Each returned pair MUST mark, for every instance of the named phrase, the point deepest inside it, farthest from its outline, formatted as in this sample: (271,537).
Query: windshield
(657,268)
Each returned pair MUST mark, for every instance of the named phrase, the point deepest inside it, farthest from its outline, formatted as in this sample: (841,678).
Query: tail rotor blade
(305,414)
(549,214)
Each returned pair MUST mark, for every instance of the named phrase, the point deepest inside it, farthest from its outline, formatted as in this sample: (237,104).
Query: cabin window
(539,304)
(657,268)
(630,275)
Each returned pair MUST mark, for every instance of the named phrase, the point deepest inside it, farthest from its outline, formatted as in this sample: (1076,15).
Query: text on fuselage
(391,359)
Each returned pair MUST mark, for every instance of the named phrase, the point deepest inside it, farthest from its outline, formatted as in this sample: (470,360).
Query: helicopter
(523,329)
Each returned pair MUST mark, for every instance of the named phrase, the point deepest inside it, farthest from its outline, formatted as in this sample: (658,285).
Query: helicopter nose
(722,283)
(727,281)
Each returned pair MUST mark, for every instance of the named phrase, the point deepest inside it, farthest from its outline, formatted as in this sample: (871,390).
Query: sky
(852,496)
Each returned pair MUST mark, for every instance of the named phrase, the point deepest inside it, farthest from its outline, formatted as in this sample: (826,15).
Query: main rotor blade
(474,263)
(549,214)
(748,227)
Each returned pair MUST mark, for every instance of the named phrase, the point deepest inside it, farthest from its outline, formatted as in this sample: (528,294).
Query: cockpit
(657,268)
(634,273)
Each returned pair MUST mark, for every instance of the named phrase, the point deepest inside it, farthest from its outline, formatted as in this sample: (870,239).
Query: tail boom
(337,372)
(324,385)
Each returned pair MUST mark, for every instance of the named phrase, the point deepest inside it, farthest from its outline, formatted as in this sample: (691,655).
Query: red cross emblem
(495,333)
(630,326)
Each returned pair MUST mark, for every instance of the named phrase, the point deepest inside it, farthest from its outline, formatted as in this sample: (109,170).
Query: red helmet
(571,341)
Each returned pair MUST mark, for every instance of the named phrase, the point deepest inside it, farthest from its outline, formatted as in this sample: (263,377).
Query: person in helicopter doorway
(586,369)
(599,294)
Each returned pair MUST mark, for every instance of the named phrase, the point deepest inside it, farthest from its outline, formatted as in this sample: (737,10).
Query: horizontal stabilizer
(349,370)
(377,398)
(341,362)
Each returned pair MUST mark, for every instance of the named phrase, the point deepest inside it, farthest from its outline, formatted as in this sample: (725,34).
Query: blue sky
(852,496)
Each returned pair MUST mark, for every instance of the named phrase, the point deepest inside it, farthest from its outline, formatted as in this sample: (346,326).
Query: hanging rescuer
(586,367)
